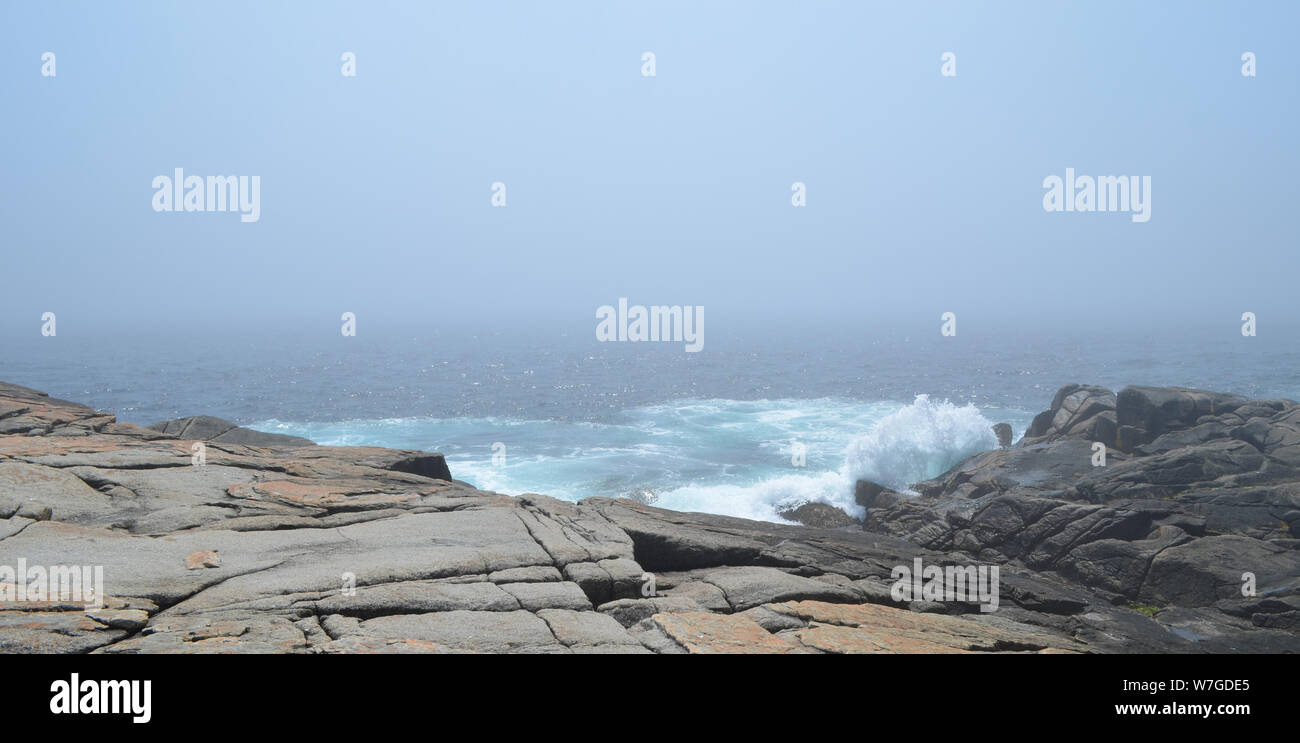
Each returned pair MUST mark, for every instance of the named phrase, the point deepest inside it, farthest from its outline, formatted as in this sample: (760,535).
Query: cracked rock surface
(276,546)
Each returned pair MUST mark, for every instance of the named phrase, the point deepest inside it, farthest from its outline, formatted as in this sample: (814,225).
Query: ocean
(746,427)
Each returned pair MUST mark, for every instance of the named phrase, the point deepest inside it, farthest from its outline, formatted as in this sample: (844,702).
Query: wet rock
(866,492)
(1003,432)
(819,515)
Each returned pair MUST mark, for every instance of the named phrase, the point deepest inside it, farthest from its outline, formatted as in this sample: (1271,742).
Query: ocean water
(734,457)
(716,431)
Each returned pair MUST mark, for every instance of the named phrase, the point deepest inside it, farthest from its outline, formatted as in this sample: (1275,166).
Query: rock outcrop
(321,549)
(1184,502)
(207,428)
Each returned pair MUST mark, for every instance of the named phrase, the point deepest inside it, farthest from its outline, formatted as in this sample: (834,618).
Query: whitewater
(728,457)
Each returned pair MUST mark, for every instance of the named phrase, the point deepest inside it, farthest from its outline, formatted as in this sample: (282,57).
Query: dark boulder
(820,516)
(1078,411)
(870,495)
(425,465)
(1004,433)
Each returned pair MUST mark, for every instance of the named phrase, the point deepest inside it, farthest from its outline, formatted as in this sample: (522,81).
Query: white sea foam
(765,500)
(726,457)
(913,443)
(917,442)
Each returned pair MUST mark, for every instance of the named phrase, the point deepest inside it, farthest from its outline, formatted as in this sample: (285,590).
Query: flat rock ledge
(283,547)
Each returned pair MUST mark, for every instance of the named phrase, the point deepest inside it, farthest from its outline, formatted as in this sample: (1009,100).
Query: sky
(923,191)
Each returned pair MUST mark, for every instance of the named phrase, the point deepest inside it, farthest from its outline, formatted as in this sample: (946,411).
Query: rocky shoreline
(274,544)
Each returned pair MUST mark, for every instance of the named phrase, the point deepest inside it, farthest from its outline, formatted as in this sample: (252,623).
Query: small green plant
(1147,609)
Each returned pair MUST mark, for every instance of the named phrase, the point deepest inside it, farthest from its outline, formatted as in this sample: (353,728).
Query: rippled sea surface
(745,427)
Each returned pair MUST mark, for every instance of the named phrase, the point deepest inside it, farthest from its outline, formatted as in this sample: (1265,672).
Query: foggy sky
(924,191)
